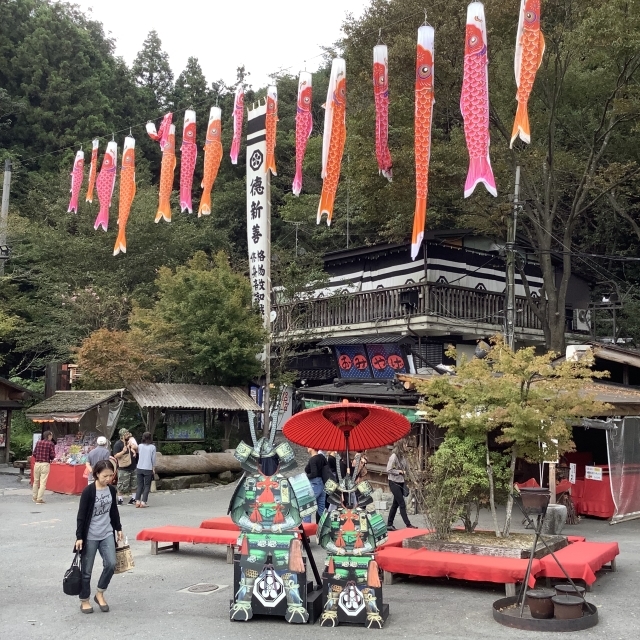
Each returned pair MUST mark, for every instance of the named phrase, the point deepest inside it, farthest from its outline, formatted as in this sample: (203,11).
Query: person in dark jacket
(98,519)
(315,473)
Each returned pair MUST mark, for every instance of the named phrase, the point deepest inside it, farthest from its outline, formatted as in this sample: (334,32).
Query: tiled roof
(191,396)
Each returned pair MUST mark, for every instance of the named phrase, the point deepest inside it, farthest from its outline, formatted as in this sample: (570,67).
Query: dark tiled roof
(191,396)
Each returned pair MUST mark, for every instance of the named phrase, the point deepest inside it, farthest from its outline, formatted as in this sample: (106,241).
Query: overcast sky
(264,36)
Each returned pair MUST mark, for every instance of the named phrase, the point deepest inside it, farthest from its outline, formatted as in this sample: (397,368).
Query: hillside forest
(176,305)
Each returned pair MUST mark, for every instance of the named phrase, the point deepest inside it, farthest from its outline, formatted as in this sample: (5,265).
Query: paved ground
(147,603)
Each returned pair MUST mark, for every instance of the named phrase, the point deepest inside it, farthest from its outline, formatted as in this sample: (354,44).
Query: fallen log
(213,463)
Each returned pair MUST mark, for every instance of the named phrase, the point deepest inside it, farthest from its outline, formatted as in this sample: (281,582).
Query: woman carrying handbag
(397,468)
(98,520)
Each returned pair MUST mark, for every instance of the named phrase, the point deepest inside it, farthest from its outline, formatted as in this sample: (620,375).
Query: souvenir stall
(76,419)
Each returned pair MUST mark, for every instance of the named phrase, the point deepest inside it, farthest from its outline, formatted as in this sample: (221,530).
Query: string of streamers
(161,113)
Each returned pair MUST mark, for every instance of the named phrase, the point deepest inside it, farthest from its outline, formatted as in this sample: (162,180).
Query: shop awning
(410,413)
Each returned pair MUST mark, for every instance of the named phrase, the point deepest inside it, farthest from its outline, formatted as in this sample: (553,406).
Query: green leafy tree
(152,71)
(527,401)
(205,307)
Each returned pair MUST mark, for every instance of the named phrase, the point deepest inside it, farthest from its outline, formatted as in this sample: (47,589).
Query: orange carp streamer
(335,134)
(423,118)
(529,52)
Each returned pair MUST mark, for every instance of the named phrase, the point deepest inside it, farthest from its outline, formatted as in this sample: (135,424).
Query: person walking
(43,454)
(315,472)
(125,451)
(98,520)
(397,467)
(101,452)
(146,469)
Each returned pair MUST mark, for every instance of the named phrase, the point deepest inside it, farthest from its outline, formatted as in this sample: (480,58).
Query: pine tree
(191,86)
(152,72)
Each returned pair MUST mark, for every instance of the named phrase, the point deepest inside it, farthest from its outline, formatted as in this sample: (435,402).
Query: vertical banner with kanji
(259,211)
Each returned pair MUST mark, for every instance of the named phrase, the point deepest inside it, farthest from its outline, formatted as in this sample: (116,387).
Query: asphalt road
(148,602)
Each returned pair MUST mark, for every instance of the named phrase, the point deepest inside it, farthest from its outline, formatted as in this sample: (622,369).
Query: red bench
(196,535)
(581,560)
(443,564)
(395,538)
(226,523)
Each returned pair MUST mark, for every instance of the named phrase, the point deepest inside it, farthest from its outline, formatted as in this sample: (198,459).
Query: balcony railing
(435,300)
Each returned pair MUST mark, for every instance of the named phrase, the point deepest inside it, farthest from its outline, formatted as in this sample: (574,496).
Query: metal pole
(4,211)
(510,315)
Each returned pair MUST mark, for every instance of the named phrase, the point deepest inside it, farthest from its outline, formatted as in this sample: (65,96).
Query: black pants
(398,503)
(144,478)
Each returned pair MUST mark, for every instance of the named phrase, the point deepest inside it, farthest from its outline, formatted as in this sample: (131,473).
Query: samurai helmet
(250,457)
(359,492)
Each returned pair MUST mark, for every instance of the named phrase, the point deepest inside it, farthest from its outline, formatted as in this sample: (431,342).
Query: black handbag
(405,490)
(72,581)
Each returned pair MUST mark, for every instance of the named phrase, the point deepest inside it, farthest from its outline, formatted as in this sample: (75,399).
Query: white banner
(259,211)
(572,472)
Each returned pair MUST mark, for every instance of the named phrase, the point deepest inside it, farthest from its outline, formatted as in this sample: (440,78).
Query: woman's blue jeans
(107,549)
(318,491)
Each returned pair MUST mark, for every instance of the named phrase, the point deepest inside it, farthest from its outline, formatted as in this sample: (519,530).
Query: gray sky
(264,36)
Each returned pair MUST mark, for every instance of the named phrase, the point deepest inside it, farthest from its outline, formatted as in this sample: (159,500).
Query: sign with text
(259,211)
(572,472)
(593,473)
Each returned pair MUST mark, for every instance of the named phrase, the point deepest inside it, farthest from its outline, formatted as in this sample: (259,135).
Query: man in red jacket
(43,453)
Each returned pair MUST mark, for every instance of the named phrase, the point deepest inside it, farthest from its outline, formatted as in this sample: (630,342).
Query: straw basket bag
(124,557)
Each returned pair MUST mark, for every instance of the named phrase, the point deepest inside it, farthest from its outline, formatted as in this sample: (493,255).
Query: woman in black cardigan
(98,518)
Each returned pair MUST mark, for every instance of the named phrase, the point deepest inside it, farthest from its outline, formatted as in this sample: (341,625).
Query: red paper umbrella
(340,427)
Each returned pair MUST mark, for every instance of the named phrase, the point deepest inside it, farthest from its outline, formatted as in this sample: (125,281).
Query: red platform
(176,534)
(64,478)
(581,560)
(395,538)
(443,564)
(225,523)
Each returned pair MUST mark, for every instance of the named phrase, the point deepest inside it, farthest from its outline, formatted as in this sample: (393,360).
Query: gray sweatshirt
(146,457)
(395,465)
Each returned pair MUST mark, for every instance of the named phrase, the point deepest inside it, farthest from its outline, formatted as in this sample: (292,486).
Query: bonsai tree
(455,485)
(527,401)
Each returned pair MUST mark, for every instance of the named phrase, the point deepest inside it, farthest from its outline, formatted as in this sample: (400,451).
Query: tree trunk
(492,501)
(512,471)
(204,463)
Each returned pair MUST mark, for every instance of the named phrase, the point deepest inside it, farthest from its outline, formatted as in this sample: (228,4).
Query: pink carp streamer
(381,95)
(77,176)
(105,183)
(238,115)
(474,102)
(189,151)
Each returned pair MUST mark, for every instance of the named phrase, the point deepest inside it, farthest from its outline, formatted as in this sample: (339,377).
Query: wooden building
(12,396)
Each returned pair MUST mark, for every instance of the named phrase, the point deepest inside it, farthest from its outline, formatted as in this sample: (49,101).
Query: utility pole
(297,226)
(512,221)
(4,214)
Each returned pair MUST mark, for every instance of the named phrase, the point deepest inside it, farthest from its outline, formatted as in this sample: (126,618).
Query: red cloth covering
(196,535)
(64,478)
(442,564)
(581,560)
(593,497)
(396,537)
(226,523)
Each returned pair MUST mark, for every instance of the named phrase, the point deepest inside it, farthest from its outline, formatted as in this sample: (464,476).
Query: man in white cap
(101,452)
